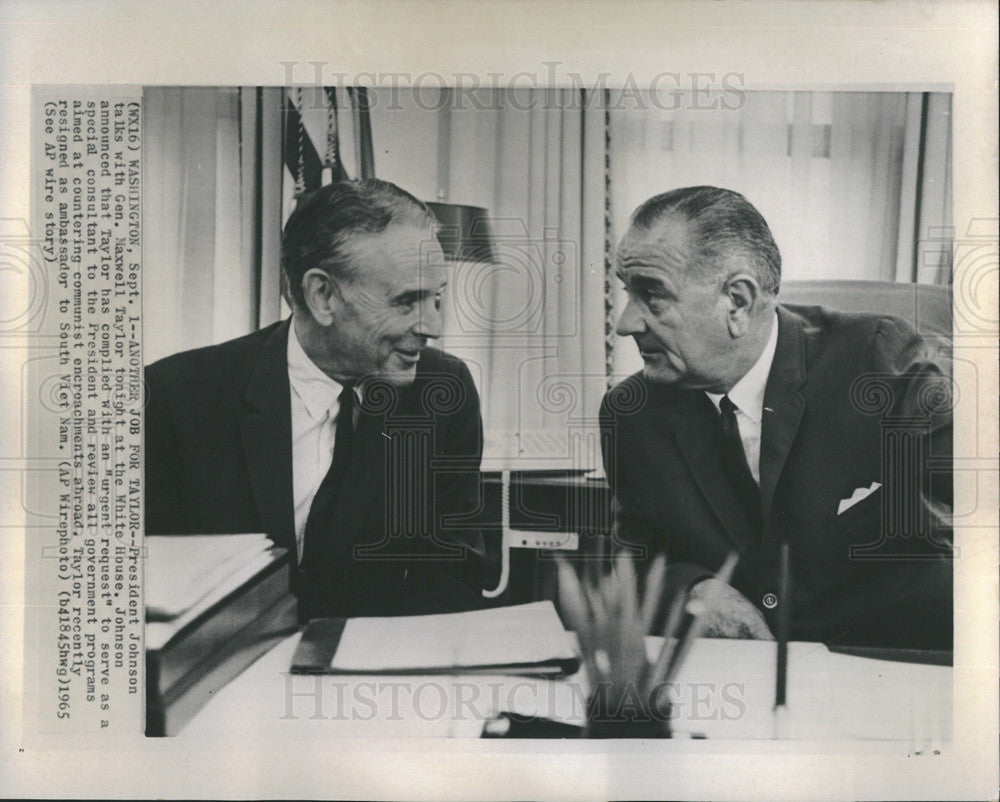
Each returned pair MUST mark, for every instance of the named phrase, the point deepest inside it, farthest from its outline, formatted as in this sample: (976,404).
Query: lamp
(465,230)
(464,233)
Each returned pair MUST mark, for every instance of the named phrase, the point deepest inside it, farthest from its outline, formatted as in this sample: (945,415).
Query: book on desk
(214,604)
(524,639)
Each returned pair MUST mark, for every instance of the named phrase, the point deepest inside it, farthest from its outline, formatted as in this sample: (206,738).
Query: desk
(724,691)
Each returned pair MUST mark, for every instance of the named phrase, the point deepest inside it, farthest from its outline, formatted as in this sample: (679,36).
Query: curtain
(931,261)
(530,325)
(854,185)
(208,222)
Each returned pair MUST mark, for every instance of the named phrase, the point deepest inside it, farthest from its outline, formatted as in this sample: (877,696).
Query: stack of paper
(522,639)
(214,604)
(181,570)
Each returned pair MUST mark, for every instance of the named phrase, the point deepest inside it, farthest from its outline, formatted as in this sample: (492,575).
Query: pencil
(574,606)
(784,584)
(653,592)
(673,620)
(693,620)
(630,644)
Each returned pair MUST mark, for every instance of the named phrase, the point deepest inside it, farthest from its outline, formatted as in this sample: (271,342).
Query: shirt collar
(748,393)
(317,391)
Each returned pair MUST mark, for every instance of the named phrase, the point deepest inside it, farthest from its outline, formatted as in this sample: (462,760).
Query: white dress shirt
(315,405)
(748,397)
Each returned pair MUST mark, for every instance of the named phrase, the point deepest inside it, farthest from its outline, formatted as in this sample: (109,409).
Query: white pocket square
(858,495)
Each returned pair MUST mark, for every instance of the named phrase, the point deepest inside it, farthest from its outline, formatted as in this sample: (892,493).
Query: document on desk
(725,690)
(214,604)
(182,570)
(524,639)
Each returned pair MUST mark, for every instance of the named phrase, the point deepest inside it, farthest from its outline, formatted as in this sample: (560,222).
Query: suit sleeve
(454,582)
(631,530)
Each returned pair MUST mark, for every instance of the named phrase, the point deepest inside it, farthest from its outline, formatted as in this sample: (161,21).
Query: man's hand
(730,613)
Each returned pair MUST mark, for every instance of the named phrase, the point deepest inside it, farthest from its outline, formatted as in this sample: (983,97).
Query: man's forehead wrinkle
(651,264)
(637,255)
(407,287)
(664,246)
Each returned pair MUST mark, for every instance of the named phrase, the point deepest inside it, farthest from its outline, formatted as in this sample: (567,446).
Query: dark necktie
(319,523)
(735,460)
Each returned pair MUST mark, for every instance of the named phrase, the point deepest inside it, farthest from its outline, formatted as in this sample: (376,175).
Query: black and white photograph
(576,305)
(458,432)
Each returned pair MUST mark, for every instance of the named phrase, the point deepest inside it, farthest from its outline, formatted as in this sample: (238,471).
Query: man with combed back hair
(338,431)
(751,425)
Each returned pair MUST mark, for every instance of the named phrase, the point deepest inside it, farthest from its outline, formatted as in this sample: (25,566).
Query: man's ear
(743,292)
(320,295)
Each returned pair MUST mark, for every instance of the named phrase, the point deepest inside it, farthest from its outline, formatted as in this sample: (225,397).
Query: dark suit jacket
(218,459)
(850,400)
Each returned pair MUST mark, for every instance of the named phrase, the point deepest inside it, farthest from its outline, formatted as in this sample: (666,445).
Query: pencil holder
(632,712)
(626,697)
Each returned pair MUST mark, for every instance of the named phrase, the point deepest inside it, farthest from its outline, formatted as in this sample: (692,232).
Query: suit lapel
(697,437)
(266,429)
(783,404)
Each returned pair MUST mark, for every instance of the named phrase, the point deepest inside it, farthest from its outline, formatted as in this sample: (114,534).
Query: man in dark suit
(753,424)
(338,432)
